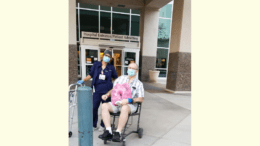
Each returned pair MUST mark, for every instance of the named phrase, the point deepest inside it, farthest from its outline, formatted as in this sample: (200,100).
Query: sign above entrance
(109,36)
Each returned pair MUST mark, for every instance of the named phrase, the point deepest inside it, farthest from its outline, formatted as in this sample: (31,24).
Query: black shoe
(116,137)
(105,136)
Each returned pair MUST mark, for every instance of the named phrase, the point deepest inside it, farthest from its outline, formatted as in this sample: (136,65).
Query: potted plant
(153,74)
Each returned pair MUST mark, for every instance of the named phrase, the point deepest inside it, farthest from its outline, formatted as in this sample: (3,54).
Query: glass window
(78,69)
(88,6)
(135,20)
(88,21)
(105,8)
(161,58)
(129,58)
(162,73)
(125,70)
(120,24)
(105,22)
(88,67)
(164,32)
(135,11)
(166,11)
(91,56)
(121,10)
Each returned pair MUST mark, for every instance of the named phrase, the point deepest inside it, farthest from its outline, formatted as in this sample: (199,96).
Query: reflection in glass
(164,32)
(135,11)
(166,11)
(105,22)
(161,58)
(117,57)
(162,73)
(88,21)
(91,56)
(105,8)
(88,69)
(125,70)
(78,70)
(129,57)
(118,70)
(135,20)
(121,10)
(88,6)
(120,24)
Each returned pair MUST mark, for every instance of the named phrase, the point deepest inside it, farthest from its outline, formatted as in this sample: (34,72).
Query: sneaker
(95,128)
(116,137)
(105,136)
(101,129)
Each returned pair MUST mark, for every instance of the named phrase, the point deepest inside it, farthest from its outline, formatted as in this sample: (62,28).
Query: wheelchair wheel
(105,141)
(140,132)
(70,134)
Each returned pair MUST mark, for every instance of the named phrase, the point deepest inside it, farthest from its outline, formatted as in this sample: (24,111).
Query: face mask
(106,59)
(131,72)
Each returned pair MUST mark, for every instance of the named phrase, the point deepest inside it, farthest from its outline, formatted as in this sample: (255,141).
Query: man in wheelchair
(125,106)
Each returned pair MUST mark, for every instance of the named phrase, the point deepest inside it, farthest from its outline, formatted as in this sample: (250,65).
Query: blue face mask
(131,72)
(106,59)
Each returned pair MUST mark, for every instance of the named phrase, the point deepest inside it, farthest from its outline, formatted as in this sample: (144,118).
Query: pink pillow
(119,92)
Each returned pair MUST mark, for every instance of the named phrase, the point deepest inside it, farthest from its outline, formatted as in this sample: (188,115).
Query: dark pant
(96,102)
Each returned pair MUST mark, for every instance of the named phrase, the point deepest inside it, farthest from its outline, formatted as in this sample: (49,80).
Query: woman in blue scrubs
(101,72)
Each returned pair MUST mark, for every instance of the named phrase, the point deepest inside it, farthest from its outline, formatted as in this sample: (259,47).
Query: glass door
(89,55)
(130,55)
(117,61)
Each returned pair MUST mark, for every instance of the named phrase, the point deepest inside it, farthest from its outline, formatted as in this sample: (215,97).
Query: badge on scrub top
(102,77)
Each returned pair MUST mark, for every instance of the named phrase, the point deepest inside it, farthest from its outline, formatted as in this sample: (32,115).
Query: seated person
(126,107)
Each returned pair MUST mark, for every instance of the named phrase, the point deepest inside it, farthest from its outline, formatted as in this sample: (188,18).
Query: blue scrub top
(102,86)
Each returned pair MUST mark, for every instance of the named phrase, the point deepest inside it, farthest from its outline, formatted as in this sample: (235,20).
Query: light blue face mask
(106,59)
(131,72)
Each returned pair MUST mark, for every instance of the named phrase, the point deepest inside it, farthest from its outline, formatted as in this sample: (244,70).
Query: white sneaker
(101,129)
(95,128)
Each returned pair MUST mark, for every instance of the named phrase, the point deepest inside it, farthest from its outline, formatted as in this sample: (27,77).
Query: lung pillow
(119,92)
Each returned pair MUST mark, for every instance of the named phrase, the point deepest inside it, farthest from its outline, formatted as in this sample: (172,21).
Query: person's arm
(140,96)
(87,78)
(106,96)
(138,99)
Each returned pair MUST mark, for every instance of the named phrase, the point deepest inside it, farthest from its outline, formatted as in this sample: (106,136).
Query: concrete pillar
(149,20)
(179,67)
(73,69)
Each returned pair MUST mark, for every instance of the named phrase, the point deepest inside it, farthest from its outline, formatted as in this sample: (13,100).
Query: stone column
(73,69)
(149,20)
(179,67)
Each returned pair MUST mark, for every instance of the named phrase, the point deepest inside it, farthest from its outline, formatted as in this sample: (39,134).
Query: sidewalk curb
(178,92)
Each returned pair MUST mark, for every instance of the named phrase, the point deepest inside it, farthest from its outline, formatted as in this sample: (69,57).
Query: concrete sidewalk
(165,118)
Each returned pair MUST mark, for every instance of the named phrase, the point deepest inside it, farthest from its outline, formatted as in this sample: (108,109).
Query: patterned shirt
(137,88)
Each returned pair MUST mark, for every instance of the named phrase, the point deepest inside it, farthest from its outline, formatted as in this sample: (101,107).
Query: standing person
(101,72)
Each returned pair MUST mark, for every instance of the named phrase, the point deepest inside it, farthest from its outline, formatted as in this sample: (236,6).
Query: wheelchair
(139,130)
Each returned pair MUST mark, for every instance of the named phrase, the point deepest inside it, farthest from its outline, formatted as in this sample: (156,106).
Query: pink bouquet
(119,92)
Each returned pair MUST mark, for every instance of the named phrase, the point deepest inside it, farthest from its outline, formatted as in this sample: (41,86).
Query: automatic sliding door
(130,56)
(117,61)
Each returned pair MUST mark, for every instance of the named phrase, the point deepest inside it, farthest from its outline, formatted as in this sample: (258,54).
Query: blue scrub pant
(96,102)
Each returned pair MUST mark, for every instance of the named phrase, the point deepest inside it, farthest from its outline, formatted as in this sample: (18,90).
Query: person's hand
(104,97)
(124,102)
(80,82)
